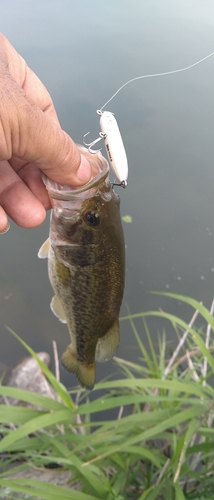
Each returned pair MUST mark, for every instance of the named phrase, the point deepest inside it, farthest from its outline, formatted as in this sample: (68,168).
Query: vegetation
(160,445)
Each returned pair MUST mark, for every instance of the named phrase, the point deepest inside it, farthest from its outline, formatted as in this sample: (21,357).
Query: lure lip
(63,192)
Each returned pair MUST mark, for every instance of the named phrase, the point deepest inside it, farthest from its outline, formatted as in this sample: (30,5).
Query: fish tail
(84,372)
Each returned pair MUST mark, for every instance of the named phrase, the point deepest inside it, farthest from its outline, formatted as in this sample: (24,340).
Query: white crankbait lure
(115,150)
(110,132)
(114,146)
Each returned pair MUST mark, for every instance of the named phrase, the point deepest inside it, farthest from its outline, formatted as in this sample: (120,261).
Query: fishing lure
(114,146)
(110,132)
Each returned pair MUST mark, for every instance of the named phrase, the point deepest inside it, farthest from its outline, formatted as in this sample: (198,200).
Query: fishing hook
(91,144)
(122,184)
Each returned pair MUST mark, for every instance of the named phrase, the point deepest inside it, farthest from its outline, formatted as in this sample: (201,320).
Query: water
(83,51)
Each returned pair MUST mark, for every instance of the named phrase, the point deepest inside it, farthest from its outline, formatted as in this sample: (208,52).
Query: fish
(86,268)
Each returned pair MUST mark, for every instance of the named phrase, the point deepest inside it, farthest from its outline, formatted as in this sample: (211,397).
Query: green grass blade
(129,367)
(175,385)
(59,388)
(192,302)
(152,432)
(44,490)
(151,346)
(30,397)
(16,415)
(177,321)
(144,452)
(179,495)
(92,475)
(118,401)
(141,345)
(172,421)
(61,416)
(152,493)
(187,439)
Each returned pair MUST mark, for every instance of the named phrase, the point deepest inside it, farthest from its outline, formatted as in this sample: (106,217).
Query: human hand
(31,141)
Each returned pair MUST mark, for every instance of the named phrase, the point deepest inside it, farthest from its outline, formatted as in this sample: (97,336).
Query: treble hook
(91,144)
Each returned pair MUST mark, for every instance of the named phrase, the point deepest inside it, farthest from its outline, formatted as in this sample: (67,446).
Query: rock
(28,375)
(60,478)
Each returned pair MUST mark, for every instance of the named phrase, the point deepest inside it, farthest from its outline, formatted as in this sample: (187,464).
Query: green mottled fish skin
(87,271)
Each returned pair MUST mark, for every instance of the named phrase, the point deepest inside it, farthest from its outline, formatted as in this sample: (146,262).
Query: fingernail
(84,170)
(6,229)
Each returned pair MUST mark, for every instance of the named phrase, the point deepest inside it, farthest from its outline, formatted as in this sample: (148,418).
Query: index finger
(37,93)
(27,79)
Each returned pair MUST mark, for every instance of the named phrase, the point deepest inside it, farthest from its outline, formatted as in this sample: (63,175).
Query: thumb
(57,155)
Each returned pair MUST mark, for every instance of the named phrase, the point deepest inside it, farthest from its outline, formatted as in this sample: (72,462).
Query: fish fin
(107,345)
(84,372)
(57,309)
(43,251)
(77,255)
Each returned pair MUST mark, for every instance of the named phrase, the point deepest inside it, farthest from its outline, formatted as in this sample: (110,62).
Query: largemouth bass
(86,267)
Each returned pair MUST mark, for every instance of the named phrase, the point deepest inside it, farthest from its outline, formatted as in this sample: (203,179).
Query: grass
(159,446)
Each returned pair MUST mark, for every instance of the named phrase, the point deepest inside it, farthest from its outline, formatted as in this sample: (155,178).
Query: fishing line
(110,132)
(155,75)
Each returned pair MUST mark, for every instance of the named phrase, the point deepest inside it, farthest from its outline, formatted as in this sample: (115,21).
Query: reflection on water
(83,54)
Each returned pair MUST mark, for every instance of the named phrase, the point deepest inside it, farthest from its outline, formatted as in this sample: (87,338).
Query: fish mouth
(62,192)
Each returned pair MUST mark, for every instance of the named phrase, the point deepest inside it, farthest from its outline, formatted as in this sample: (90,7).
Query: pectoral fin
(107,345)
(84,372)
(77,255)
(57,309)
(43,251)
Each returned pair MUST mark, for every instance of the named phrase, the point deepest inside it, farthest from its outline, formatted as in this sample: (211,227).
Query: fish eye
(92,218)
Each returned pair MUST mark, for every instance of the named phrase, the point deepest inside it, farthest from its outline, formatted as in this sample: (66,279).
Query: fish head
(80,216)
(81,225)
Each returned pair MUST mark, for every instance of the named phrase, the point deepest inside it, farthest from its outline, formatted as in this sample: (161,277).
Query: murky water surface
(83,51)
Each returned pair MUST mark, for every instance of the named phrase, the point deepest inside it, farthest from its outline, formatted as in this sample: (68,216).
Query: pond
(83,52)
